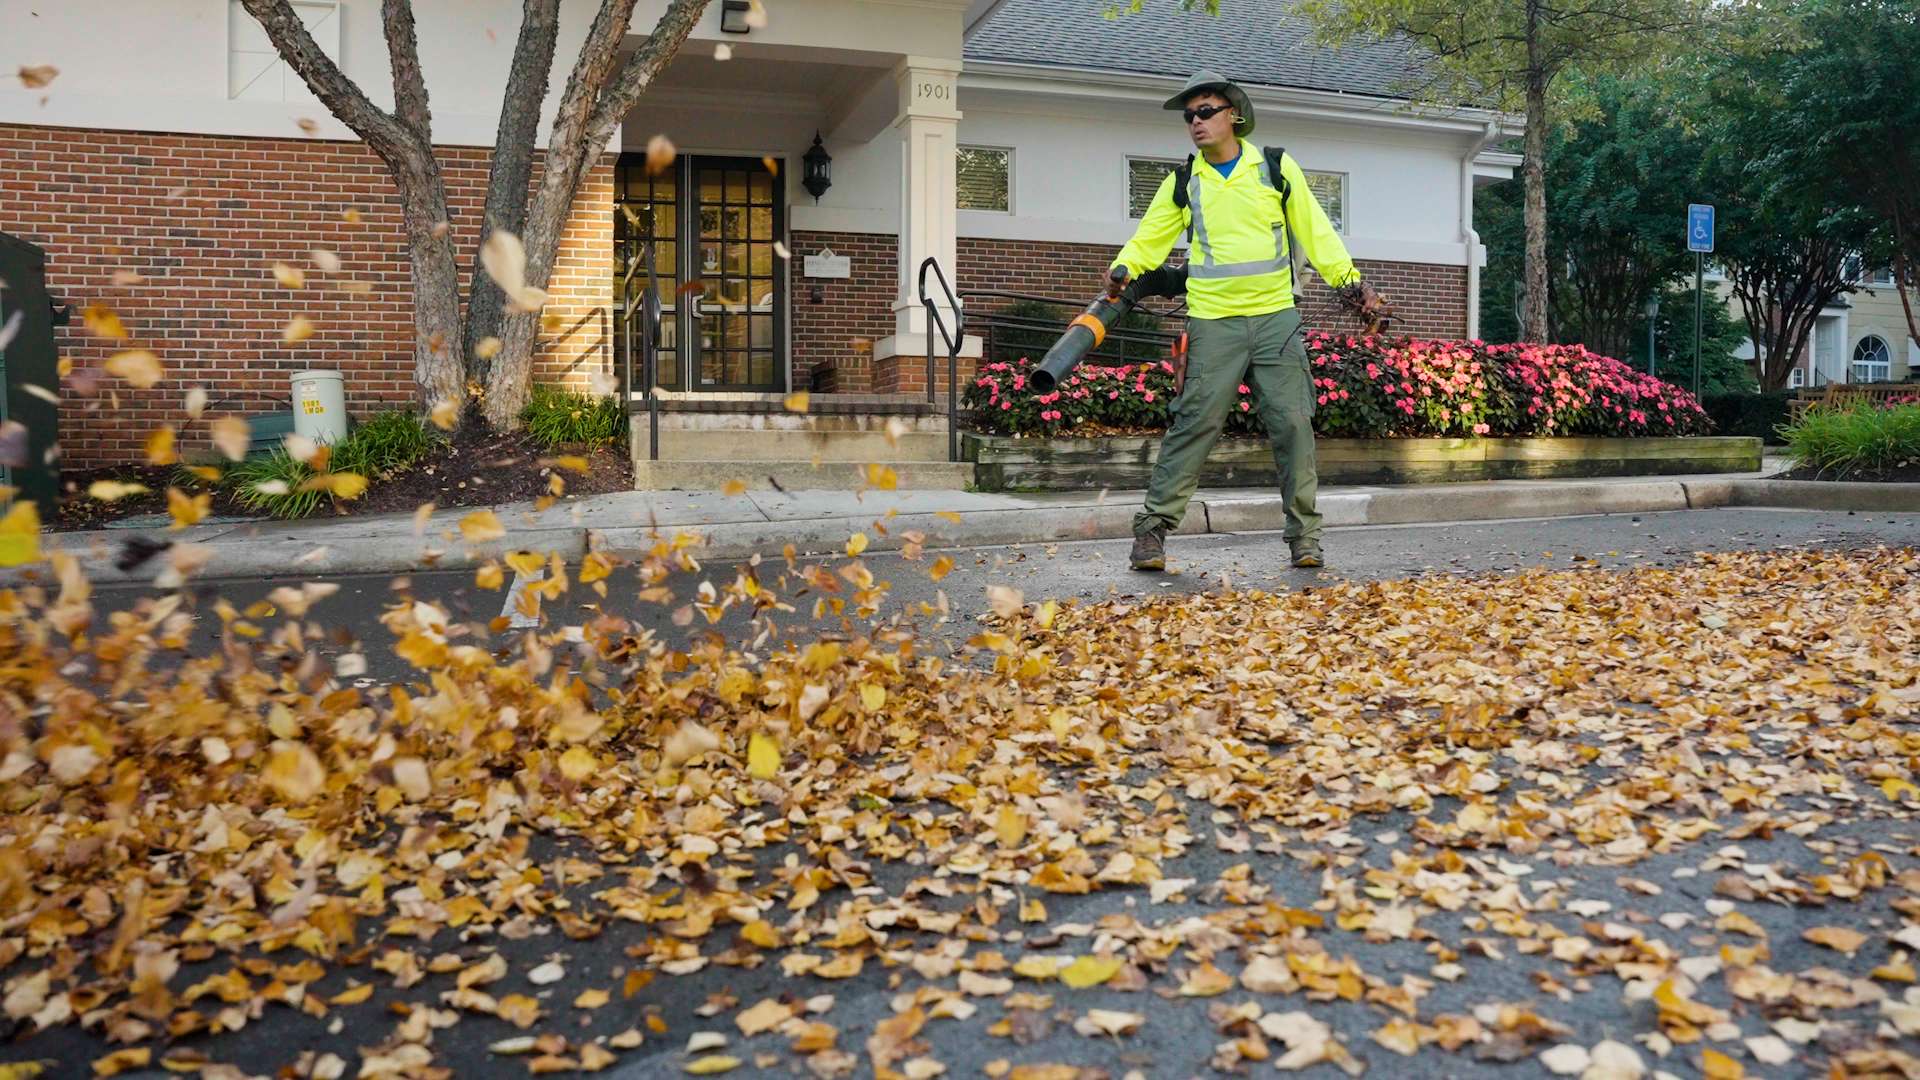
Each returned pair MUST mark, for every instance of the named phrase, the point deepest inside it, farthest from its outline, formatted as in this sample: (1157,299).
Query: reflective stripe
(1204,266)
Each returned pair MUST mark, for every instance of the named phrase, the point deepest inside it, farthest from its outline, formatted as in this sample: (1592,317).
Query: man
(1242,325)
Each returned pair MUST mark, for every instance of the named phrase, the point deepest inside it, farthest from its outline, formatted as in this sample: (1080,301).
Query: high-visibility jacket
(1239,262)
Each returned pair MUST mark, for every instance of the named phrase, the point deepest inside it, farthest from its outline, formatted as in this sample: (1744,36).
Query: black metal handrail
(953,342)
(649,337)
(994,320)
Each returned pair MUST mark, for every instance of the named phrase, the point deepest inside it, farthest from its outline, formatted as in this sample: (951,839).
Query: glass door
(735,340)
(646,211)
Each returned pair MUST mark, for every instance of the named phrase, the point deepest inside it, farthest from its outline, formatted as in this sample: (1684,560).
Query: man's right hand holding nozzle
(1116,280)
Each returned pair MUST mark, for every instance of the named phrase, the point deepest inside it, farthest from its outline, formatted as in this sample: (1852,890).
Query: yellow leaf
(856,543)
(103,322)
(346,485)
(526,563)
(109,490)
(35,76)
(160,447)
(595,567)
(299,328)
(488,347)
(208,473)
(1011,826)
(489,577)
(577,764)
(290,276)
(844,966)
(445,414)
(1044,616)
(187,510)
(24,1070)
(1893,787)
(1836,937)
(134,1057)
(294,771)
(734,487)
(942,566)
(573,462)
(882,477)
(761,933)
(763,756)
(712,1063)
(505,260)
(591,999)
(949,515)
(20,535)
(1206,981)
(798,401)
(660,154)
(481,526)
(873,697)
(1718,1066)
(232,436)
(352,995)
(1090,971)
(138,366)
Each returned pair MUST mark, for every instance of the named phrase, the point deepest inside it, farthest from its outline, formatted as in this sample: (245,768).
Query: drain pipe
(1468,235)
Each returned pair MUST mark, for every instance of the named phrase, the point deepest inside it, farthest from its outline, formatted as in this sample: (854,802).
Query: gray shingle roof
(1254,42)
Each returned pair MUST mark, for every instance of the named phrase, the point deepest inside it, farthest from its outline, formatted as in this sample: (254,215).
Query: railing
(1122,345)
(649,338)
(953,341)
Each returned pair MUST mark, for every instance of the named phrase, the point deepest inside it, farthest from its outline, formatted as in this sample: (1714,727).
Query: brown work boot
(1150,550)
(1306,553)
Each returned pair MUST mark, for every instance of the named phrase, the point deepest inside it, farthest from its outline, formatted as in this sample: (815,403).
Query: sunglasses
(1204,112)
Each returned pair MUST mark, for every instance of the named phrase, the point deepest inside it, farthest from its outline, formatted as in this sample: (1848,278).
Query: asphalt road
(1178,1037)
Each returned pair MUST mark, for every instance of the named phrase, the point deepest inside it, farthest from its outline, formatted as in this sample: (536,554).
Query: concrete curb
(307,556)
(1825,495)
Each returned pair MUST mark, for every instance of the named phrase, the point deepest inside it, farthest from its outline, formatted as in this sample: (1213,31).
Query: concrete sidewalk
(815,522)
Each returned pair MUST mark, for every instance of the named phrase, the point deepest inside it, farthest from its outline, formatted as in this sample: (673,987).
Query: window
(1144,176)
(255,71)
(1871,360)
(1882,276)
(983,178)
(1796,378)
(1330,189)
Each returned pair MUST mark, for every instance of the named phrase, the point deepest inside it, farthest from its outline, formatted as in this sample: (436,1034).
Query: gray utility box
(29,359)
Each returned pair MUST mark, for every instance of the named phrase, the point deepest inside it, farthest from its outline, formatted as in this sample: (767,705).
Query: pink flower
(1005,405)
(1244,390)
(1244,406)
(1148,395)
(1322,399)
(1019,382)
(1344,395)
(1482,429)
(1111,394)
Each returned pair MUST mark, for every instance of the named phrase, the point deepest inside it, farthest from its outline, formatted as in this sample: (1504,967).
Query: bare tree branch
(669,33)
(403,55)
(342,97)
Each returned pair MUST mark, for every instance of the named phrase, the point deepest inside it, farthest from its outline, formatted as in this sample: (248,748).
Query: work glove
(1114,281)
(1365,303)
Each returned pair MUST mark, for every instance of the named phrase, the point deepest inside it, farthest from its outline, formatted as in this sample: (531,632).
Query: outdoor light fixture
(818,169)
(733,16)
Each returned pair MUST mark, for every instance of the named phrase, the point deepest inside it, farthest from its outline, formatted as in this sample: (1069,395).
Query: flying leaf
(660,154)
(290,276)
(763,756)
(856,543)
(188,510)
(505,260)
(110,490)
(797,402)
(941,567)
(299,328)
(346,485)
(137,366)
(488,347)
(578,763)
(38,76)
(20,534)
(232,436)
(325,261)
(294,771)
(160,446)
(882,477)
(102,321)
(196,402)
(481,526)
(445,414)
(1010,826)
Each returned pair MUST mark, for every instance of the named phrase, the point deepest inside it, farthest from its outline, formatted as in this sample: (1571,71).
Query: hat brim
(1236,97)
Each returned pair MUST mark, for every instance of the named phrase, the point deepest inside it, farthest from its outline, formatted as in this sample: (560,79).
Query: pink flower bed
(1373,388)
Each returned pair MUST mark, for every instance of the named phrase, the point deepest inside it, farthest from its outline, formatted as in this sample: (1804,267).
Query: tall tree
(1849,104)
(600,91)
(1514,54)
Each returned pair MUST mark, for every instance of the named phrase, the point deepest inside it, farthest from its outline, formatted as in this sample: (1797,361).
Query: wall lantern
(818,165)
(734,17)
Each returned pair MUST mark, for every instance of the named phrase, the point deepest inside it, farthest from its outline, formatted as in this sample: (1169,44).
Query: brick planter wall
(835,337)
(203,218)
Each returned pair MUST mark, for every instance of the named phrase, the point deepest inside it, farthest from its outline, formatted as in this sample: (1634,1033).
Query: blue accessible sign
(1699,227)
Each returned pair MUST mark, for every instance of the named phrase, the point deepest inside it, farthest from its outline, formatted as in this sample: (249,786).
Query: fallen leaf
(1091,970)
(1836,937)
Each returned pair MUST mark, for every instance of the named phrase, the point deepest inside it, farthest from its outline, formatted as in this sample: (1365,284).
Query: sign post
(1699,241)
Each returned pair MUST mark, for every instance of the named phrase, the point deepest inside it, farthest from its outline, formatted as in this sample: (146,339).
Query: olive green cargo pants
(1265,352)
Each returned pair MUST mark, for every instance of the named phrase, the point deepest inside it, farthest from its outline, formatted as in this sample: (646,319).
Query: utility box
(27,358)
(320,406)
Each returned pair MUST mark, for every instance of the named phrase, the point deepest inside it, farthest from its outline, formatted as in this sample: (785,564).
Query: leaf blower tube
(1090,327)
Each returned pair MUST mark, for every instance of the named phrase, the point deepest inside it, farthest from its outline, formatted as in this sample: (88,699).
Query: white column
(929,125)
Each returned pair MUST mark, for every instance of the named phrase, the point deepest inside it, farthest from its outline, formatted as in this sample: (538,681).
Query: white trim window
(1144,176)
(255,71)
(1330,189)
(1872,360)
(983,178)
(1796,378)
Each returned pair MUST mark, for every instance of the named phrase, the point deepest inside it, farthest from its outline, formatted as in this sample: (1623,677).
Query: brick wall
(833,340)
(202,219)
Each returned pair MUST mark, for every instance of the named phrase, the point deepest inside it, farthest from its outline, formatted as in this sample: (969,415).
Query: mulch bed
(1900,474)
(474,468)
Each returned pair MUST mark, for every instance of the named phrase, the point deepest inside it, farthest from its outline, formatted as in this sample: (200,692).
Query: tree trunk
(1906,279)
(512,167)
(439,374)
(1534,323)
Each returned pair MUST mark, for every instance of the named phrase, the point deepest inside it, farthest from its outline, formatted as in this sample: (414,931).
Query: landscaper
(1236,208)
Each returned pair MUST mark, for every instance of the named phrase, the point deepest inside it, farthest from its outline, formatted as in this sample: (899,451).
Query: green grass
(561,417)
(1863,439)
(384,443)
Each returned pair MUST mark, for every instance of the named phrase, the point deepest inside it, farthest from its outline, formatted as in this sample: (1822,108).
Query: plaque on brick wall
(828,265)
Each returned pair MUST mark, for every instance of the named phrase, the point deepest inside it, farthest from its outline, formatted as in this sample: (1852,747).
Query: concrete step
(858,447)
(793,475)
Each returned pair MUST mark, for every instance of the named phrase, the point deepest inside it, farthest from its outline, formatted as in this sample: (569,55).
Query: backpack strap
(1182,180)
(1277,177)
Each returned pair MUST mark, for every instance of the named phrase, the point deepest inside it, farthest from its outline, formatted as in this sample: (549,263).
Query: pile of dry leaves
(163,809)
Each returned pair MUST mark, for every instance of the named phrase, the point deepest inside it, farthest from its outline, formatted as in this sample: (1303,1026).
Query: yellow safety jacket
(1239,262)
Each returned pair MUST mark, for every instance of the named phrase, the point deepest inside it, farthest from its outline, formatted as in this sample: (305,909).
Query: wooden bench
(1846,395)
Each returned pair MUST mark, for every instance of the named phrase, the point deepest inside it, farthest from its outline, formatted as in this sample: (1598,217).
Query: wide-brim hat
(1226,88)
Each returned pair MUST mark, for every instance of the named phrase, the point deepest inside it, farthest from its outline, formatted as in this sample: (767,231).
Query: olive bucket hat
(1214,81)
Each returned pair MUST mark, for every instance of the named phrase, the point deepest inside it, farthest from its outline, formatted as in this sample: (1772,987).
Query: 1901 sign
(932,91)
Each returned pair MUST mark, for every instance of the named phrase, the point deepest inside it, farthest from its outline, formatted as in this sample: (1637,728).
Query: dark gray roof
(1255,42)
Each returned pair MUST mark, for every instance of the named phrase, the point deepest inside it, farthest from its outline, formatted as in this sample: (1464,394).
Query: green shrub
(279,472)
(557,417)
(1760,415)
(383,445)
(1863,439)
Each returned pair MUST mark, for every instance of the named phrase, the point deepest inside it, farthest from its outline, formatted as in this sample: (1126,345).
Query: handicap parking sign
(1699,227)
